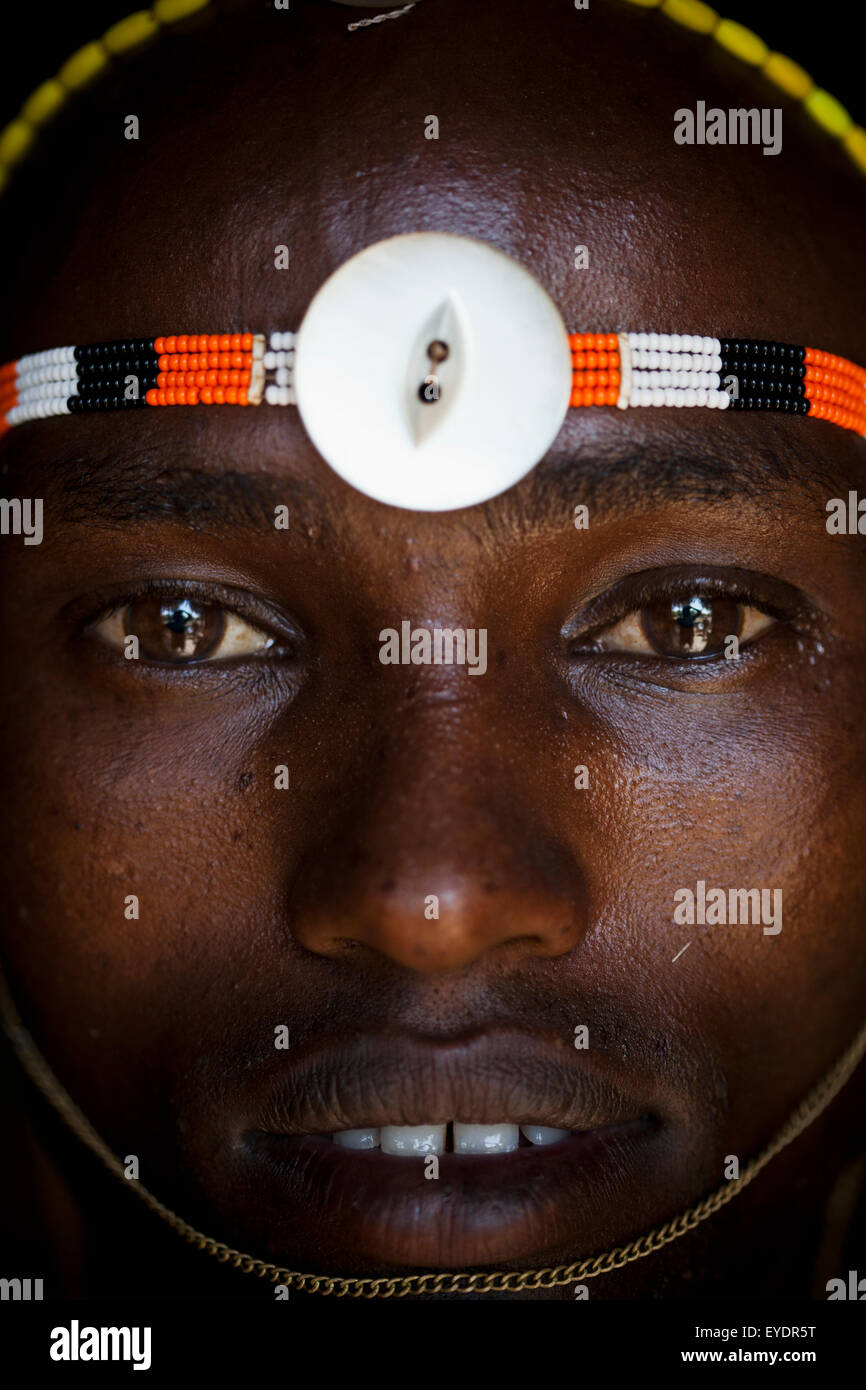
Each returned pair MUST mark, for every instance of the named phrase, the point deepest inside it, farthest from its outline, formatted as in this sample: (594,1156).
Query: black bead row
(754,366)
(770,375)
(759,349)
(118,365)
(119,348)
(114,384)
(768,386)
(783,403)
(77,404)
(103,369)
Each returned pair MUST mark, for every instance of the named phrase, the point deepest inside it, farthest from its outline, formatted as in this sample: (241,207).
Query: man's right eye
(179,630)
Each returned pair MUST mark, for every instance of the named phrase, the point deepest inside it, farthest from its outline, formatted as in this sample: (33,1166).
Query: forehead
(555,130)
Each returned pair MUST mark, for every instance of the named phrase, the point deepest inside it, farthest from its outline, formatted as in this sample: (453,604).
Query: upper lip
(387,1080)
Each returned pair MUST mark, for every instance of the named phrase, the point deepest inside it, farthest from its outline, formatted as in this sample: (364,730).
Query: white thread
(377,19)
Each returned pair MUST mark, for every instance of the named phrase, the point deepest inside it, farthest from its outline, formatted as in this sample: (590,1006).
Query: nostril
(525,940)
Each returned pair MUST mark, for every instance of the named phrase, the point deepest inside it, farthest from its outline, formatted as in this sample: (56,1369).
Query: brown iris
(175,629)
(696,626)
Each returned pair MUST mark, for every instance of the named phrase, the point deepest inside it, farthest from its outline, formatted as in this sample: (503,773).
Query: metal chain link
(401,1286)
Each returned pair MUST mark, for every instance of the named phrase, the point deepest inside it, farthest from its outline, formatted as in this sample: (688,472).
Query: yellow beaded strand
(783,72)
(80,69)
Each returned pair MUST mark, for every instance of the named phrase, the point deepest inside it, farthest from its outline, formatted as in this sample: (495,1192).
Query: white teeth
(406,1140)
(485,1139)
(543,1134)
(413,1139)
(357,1138)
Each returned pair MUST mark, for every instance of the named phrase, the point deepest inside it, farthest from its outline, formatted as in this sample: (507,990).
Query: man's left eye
(688,627)
(180,630)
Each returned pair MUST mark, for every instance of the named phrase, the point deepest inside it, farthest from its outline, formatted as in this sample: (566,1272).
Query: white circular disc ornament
(406,424)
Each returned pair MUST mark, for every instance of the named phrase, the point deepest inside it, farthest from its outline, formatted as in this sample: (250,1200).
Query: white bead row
(39,410)
(34,399)
(44,359)
(57,371)
(280,358)
(676,361)
(47,388)
(716,400)
(280,363)
(675,342)
(708,381)
(674,369)
(280,395)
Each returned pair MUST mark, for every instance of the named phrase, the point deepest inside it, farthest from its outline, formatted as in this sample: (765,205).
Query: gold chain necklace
(815,1103)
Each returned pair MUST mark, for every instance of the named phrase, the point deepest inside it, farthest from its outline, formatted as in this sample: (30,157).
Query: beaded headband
(621,369)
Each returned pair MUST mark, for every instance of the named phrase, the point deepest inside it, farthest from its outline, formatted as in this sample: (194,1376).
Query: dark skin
(261,907)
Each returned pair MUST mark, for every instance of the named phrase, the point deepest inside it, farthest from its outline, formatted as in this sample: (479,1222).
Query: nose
(440,857)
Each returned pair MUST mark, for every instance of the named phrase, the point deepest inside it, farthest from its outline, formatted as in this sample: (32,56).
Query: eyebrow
(103,488)
(608,474)
(119,489)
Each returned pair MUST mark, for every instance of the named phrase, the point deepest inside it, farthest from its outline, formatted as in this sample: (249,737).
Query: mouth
(398,1153)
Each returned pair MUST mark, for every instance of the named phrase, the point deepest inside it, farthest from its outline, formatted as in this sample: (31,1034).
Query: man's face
(438,900)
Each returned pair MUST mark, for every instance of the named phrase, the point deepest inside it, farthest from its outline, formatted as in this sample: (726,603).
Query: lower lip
(365,1211)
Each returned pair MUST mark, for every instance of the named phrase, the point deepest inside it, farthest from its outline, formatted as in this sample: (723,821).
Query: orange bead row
(603,378)
(9,369)
(204,342)
(583,361)
(204,361)
(835,396)
(825,377)
(593,342)
(848,419)
(835,388)
(815,358)
(167,380)
(598,395)
(217,395)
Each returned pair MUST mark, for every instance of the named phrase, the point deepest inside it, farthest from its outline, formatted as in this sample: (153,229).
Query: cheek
(755,791)
(147,853)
